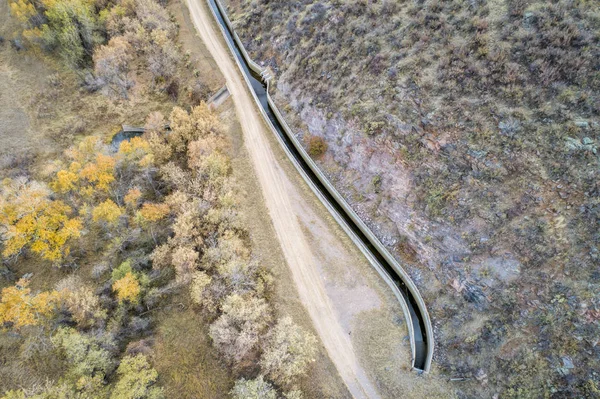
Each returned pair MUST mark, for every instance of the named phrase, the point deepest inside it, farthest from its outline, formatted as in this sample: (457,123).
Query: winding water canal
(419,319)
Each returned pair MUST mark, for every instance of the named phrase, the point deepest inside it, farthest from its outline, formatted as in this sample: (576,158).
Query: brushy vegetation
(161,214)
(316,146)
(117,47)
(124,232)
(492,106)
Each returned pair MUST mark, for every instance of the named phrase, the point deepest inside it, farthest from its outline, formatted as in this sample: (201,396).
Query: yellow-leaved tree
(154,212)
(137,149)
(99,173)
(30,218)
(23,10)
(127,288)
(91,171)
(19,307)
(108,212)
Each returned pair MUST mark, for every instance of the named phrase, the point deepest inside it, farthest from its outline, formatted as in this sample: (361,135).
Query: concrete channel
(418,320)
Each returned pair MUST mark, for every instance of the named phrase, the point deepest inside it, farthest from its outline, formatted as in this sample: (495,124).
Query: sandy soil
(291,217)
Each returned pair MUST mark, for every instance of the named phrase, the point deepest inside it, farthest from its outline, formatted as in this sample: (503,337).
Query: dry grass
(383,343)
(21,76)
(199,58)
(187,364)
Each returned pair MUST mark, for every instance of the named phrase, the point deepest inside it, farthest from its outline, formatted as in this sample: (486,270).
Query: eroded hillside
(466,133)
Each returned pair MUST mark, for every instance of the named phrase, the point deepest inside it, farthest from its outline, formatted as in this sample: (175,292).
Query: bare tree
(111,65)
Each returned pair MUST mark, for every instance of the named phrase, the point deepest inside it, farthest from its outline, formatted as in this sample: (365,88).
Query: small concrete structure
(218,98)
(132,129)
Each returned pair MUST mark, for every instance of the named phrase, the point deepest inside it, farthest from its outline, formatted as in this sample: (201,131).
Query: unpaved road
(282,200)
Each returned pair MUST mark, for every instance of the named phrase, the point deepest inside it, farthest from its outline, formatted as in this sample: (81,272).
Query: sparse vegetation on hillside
(490,110)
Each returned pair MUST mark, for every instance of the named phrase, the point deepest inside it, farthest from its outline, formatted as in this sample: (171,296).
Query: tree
(253,389)
(187,127)
(215,167)
(31,218)
(154,212)
(19,307)
(185,260)
(132,197)
(108,212)
(88,361)
(186,226)
(86,387)
(230,247)
(81,302)
(127,288)
(161,256)
(65,181)
(135,149)
(23,10)
(237,331)
(111,65)
(159,147)
(155,122)
(163,56)
(200,280)
(203,147)
(100,173)
(154,17)
(72,27)
(288,351)
(137,380)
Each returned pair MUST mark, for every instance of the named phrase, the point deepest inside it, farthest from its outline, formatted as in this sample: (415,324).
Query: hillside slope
(466,133)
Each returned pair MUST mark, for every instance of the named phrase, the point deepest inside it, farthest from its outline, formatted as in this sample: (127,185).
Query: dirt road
(282,200)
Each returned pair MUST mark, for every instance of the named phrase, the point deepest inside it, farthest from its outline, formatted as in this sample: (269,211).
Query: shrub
(253,389)
(288,351)
(137,380)
(317,146)
(238,329)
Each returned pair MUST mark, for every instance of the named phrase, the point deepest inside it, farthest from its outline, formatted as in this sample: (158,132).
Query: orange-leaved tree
(132,197)
(154,212)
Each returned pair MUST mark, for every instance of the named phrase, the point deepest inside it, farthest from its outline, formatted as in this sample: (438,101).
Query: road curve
(279,194)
